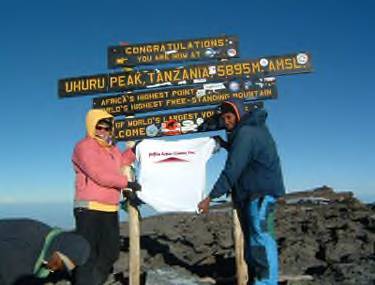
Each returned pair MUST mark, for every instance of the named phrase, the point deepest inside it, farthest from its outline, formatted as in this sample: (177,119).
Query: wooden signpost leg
(134,236)
(134,245)
(241,267)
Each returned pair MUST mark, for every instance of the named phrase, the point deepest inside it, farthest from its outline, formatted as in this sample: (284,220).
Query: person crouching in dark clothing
(30,250)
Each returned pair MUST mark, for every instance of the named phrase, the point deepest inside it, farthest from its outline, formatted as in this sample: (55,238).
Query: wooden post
(134,236)
(134,246)
(241,267)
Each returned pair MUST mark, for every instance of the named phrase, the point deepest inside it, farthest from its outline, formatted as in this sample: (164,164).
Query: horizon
(60,214)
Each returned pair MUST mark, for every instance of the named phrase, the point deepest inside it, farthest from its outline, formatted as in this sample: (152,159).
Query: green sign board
(186,97)
(191,74)
(171,124)
(173,51)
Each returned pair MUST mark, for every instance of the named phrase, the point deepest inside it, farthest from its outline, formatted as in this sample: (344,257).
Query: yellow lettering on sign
(128,133)
(168,76)
(148,105)
(248,94)
(271,65)
(265,92)
(159,77)
(255,67)
(117,81)
(137,79)
(113,101)
(176,102)
(193,73)
(117,109)
(183,92)
(280,64)
(162,57)
(124,80)
(205,73)
(179,55)
(213,98)
(244,68)
(207,114)
(174,46)
(289,64)
(181,117)
(186,74)
(175,75)
(144,58)
(131,80)
(162,48)
(151,77)
(152,96)
(119,124)
(113,81)
(233,69)
(195,54)
(220,42)
(139,122)
(87,84)
(239,95)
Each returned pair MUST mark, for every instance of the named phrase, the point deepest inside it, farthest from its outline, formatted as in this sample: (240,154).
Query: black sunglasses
(99,128)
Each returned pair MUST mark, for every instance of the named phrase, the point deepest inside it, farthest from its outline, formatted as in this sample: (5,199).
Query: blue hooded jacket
(252,168)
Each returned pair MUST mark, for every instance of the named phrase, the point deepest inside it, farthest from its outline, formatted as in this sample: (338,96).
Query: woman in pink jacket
(97,164)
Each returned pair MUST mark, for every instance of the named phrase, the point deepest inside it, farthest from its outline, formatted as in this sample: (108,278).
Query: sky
(322,122)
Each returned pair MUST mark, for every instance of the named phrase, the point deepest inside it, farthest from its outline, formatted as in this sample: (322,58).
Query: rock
(331,239)
(173,276)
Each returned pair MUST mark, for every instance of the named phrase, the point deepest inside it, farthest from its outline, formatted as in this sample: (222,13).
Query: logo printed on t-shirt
(171,156)
(172,159)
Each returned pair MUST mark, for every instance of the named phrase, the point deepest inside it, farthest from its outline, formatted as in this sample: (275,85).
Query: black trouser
(101,229)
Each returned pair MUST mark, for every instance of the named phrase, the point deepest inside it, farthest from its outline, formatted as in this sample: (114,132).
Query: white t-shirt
(173,173)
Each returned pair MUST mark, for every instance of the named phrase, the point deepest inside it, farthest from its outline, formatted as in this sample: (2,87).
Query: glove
(219,141)
(132,145)
(135,186)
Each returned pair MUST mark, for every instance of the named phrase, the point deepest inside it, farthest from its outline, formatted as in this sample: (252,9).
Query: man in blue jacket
(252,173)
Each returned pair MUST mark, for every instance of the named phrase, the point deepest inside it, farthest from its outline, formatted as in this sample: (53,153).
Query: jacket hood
(256,117)
(93,117)
(235,106)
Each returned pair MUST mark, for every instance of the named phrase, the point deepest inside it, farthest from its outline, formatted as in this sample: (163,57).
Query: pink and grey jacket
(98,169)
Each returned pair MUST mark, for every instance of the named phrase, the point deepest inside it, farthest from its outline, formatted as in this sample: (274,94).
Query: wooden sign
(173,51)
(191,74)
(186,97)
(171,124)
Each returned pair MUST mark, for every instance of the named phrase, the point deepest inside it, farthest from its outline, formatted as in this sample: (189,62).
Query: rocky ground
(329,236)
(326,236)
